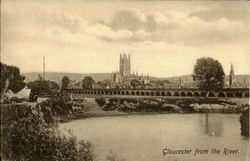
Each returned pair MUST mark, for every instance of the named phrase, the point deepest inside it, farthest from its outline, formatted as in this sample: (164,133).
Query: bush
(100,101)
(244,122)
(55,107)
(27,137)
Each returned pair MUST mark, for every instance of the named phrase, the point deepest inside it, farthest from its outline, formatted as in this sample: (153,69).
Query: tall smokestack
(43,67)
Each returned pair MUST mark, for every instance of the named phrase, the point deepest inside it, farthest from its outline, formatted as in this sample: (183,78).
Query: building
(125,66)
(124,76)
(231,77)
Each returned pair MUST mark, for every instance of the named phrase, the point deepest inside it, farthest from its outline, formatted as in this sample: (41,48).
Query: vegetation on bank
(31,133)
(169,105)
(244,122)
(10,79)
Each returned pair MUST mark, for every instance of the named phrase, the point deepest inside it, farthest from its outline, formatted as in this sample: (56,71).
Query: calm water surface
(143,137)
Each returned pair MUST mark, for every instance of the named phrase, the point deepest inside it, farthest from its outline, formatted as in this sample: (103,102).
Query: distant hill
(238,78)
(57,76)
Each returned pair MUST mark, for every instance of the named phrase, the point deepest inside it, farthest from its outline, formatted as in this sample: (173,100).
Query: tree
(41,86)
(65,82)
(11,79)
(87,82)
(208,74)
(106,83)
(135,83)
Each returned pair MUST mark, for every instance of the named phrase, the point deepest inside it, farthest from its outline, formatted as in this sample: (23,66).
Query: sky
(164,38)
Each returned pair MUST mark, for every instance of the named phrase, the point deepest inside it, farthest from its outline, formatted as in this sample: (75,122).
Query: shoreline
(84,116)
(95,110)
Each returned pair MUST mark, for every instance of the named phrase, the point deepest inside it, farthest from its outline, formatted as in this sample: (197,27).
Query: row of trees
(87,82)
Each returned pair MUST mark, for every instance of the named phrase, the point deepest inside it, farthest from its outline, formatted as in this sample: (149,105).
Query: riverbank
(178,105)
(101,107)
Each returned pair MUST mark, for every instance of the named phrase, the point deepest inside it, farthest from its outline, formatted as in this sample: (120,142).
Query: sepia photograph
(124,80)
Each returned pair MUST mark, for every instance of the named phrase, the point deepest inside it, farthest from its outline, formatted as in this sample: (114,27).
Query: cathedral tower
(125,66)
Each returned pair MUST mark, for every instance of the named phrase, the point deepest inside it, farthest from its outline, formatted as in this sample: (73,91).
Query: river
(143,137)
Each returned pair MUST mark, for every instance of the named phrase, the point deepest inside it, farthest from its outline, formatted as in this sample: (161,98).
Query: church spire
(231,76)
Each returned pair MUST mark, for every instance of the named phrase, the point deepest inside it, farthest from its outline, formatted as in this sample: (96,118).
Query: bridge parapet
(235,92)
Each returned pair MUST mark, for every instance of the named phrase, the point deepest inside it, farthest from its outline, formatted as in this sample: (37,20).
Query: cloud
(177,27)
(129,26)
(56,28)
(105,32)
(231,11)
(130,19)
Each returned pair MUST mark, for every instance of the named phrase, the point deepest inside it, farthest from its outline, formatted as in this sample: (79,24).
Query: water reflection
(213,125)
(244,123)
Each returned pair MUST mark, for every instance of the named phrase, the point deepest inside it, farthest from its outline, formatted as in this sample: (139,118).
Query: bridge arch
(142,93)
(210,94)
(221,94)
(176,94)
(183,94)
(229,94)
(163,93)
(168,93)
(238,94)
(158,93)
(203,94)
(196,94)
(132,93)
(189,94)
(127,93)
(147,93)
(246,95)
(152,93)
(137,93)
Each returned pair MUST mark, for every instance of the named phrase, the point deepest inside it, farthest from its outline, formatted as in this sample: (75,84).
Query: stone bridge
(227,92)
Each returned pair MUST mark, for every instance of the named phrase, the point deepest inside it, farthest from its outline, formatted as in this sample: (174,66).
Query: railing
(240,92)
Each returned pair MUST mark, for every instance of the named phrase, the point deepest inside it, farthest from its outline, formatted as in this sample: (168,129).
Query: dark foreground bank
(244,121)
(30,133)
